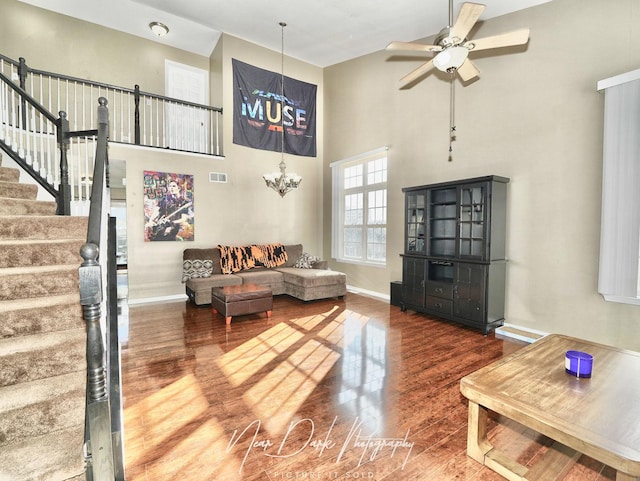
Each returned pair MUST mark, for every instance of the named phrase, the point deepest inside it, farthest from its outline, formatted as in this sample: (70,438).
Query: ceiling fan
(452,46)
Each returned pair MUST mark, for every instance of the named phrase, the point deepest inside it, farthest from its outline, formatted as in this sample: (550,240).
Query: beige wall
(534,116)
(61,44)
(239,212)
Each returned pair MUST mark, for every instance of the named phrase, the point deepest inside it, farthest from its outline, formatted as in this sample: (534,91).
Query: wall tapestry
(257,105)
(168,207)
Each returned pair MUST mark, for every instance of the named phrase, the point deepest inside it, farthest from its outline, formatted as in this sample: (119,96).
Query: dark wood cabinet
(454,262)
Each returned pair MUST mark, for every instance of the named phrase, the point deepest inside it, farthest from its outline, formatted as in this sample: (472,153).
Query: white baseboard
(520,333)
(150,300)
(365,292)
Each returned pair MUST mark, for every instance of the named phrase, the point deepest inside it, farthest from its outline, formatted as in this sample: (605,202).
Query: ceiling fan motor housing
(446,40)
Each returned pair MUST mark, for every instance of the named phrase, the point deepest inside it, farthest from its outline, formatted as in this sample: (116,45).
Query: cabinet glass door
(471,221)
(415,222)
(442,222)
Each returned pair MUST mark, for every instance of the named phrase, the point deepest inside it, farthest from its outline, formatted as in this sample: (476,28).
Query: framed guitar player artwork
(168,207)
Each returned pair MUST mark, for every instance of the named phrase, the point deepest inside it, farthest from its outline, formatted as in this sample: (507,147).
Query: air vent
(217,177)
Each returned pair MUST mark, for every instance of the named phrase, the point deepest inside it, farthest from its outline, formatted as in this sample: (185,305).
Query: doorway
(186,128)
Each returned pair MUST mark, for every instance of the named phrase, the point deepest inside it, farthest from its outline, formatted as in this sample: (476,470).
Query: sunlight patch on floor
(344,329)
(309,322)
(202,455)
(160,415)
(247,359)
(277,397)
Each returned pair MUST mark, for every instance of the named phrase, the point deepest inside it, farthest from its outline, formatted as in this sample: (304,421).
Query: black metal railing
(57,150)
(137,117)
(103,433)
(36,140)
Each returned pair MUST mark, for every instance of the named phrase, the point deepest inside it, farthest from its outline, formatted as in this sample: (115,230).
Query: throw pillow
(306,261)
(196,268)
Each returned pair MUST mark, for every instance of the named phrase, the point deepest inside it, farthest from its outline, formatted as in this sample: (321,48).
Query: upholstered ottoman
(240,300)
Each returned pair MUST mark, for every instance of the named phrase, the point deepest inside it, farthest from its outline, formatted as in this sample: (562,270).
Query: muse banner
(258,107)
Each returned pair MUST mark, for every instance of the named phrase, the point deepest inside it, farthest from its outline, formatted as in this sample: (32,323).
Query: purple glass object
(578,363)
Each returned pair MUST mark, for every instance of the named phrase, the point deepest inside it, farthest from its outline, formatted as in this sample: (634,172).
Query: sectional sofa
(296,274)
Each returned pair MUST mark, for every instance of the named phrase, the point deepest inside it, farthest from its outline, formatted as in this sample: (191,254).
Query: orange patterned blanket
(236,259)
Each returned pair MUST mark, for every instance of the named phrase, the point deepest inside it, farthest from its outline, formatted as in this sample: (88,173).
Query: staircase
(42,337)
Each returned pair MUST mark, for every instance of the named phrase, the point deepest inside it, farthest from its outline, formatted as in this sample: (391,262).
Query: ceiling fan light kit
(450,59)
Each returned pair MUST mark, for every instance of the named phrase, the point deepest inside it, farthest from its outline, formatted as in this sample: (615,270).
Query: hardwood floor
(332,389)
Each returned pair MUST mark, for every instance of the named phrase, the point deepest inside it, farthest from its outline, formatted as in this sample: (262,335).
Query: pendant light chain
(452,116)
(282,24)
(452,119)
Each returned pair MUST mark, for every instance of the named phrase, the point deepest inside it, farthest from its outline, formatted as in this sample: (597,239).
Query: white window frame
(338,192)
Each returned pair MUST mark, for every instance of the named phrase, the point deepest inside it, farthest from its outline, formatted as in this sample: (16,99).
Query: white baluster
(28,132)
(3,110)
(122,116)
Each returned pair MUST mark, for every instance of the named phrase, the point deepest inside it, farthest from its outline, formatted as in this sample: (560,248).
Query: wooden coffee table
(598,416)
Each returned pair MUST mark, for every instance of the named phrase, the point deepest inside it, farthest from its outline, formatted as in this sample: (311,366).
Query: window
(359,198)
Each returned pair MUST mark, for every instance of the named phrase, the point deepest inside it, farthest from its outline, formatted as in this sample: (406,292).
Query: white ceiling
(320,32)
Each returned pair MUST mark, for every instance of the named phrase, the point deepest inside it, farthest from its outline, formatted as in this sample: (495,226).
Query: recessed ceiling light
(160,29)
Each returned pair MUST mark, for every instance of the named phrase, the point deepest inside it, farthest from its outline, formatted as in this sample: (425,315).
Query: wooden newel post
(100,446)
(136,118)
(64,200)
(90,274)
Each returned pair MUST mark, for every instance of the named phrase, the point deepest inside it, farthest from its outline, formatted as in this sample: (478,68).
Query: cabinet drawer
(439,304)
(440,290)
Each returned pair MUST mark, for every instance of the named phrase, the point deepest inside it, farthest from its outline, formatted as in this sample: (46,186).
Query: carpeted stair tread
(22,317)
(35,281)
(43,371)
(43,227)
(10,206)
(21,253)
(40,356)
(38,407)
(18,191)
(54,456)
(9,174)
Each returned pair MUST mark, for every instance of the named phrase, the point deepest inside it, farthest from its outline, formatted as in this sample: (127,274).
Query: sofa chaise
(289,270)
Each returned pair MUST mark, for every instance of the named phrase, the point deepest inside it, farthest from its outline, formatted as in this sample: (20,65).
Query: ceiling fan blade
(517,37)
(468,71)
(416,47)
(467,18)
(416,74)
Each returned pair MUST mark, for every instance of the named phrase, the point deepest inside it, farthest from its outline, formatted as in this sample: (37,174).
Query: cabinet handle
(438,305)
(439,290)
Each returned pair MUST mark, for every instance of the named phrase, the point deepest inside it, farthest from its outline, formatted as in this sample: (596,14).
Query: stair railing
(104,453)
(36,140)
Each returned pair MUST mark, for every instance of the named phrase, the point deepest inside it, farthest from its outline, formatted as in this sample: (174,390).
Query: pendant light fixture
(282,182)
